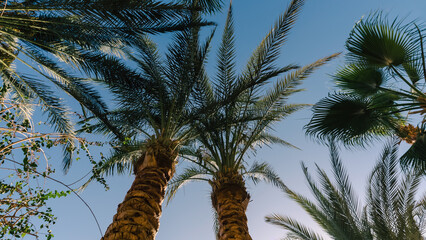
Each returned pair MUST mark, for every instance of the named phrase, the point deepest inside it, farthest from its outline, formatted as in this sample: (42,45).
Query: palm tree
(229,133)
(381,90)
(158,103)
(77,32)
(391,211)
(81,34)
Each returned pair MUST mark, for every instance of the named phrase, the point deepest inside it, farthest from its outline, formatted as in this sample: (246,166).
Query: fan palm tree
(159,102)
(391,211)
(228,134)
(381,90)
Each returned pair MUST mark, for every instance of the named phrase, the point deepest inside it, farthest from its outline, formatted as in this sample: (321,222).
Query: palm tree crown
(382,81)
(81,33)
(226,135)
(156,99)
(391,211)
(71,31)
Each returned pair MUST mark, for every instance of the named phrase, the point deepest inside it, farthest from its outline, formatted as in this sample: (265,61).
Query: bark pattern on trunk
(138,216)
(230,200)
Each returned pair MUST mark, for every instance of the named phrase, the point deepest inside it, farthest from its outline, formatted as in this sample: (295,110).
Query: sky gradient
(321,30)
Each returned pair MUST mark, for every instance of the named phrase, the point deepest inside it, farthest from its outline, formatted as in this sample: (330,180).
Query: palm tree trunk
(138,216)
(230,200)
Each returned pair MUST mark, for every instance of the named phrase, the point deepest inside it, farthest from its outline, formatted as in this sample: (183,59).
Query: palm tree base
(138,216)
(230,200)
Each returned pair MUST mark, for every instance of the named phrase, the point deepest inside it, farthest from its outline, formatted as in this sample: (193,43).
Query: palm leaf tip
(297,230)
(264,172)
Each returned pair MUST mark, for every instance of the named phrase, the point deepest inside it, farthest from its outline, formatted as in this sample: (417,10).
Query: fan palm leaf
(379,84)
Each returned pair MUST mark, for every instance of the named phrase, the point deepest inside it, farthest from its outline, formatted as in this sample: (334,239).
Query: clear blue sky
(321,30)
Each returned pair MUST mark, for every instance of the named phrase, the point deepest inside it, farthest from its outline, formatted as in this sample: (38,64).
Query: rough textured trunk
(230,200)
(138,216)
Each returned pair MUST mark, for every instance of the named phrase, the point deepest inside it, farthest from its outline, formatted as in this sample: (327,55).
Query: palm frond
(188,175)
(375,41)
(344,186)
(267,52)
(351,119)
(122,159)
(226,59)
(415,157)
(360,79)
(265,138)
(263,172)
(390,212)
(297,230)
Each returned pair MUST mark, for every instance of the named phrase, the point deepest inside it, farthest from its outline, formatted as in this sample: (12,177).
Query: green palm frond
(260,67)
(415,157)
(379,83)
(122,159)
(377,42)
(390,212)
(188,175)
(57,111)
(268,51)
(265,138)
(297,230)
(345,218)
(344,187)
(209,6)
(360,79)
(115,17)
(392,200)
(352,119)
(226,59)
(263,172)
(38,33)
(319,213)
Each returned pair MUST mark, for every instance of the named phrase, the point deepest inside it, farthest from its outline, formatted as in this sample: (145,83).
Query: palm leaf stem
(398,93)
(401,110)
(201,165)
(398,105)
(407,82)
(240,129)
(422,51)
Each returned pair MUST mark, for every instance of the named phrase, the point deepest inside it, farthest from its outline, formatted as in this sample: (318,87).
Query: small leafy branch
(23,195)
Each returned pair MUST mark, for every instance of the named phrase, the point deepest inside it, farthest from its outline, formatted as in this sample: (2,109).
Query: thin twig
(5,5)
(85,203)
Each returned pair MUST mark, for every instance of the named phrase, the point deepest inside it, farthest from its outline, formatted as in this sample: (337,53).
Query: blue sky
(321,30)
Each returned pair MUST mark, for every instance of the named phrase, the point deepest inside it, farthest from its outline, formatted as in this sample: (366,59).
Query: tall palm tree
(391,211)
(159,102)
(156,101)
(229,133)
(38,33)
(381,89)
